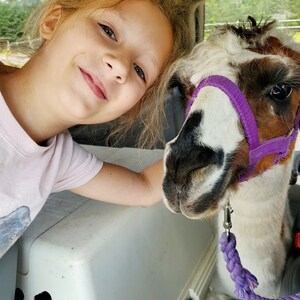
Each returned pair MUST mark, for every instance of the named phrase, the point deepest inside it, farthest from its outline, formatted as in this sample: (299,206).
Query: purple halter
(257,150)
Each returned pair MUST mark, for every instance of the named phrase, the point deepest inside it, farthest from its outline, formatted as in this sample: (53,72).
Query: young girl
(97,61)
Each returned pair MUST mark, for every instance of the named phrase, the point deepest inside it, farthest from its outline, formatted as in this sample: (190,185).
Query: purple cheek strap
(257,150)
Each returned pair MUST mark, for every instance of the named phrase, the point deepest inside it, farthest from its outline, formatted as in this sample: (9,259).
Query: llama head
(210,153)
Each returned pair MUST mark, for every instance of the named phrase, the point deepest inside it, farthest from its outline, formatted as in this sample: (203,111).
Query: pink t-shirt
(29,173)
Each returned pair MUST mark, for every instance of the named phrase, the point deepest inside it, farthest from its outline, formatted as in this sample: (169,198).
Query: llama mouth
(199,208)
(194,215)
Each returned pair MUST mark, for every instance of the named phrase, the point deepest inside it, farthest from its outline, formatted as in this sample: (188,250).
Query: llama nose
(182,161)
(188,153)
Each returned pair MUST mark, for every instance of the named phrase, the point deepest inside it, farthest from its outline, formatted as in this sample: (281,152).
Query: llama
(208,162)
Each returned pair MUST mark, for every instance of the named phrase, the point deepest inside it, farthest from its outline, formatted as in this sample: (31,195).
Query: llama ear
(50,21)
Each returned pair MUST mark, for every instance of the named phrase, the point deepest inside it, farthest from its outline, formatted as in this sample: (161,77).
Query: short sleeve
(77,166)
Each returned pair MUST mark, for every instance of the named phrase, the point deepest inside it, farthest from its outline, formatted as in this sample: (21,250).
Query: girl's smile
(95,85)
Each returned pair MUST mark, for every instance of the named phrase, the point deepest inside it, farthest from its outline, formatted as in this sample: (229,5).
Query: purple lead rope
(245,282)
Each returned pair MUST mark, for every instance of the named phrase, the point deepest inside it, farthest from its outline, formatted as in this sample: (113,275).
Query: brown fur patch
(273,120)
(275,47)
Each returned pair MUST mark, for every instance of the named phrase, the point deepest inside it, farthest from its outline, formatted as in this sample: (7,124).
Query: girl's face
(99,63)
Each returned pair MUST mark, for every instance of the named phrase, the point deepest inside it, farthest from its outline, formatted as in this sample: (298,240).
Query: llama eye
(280,92)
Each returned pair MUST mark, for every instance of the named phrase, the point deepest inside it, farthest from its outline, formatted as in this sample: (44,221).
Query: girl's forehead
(113,5)
(120,7)
(139,25)
(104,3)
(142,17)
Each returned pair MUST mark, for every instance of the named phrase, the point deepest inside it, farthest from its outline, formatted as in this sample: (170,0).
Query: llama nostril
(178,189)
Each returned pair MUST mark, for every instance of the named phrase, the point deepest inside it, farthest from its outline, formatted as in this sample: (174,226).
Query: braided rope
(245,282)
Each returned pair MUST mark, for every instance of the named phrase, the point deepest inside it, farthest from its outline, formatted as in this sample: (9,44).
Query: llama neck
(259,205)
(261,200)
(258,224)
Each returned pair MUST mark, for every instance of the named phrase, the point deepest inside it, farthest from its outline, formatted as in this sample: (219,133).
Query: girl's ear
(50,21)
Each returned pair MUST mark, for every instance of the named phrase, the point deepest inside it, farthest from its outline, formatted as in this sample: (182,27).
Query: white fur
(259,209)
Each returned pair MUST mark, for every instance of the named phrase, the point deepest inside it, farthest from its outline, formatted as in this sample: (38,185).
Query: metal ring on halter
(227,224)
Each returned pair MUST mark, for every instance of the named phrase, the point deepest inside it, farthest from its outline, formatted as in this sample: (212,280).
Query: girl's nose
(117,67)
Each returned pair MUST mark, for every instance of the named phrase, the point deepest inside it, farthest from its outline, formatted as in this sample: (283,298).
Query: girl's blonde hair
(150,109)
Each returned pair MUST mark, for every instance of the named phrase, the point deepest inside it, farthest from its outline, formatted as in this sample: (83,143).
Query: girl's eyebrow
(115,12)
(153,61)
(153,65)
(104,11)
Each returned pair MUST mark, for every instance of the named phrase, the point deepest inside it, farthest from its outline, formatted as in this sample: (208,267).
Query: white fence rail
(6,44)
(292,25)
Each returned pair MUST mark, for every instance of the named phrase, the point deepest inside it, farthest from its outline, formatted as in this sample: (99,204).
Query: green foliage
(238,10)
(13,14)
(294,8)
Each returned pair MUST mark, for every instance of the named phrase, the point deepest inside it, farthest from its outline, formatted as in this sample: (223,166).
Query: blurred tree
(13,14)
(294,8)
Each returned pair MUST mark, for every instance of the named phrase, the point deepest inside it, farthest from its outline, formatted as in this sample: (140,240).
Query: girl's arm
(118,185)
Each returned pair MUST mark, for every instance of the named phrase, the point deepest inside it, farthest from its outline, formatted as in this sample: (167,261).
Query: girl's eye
(280,92)
(108,31)
(140,72)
